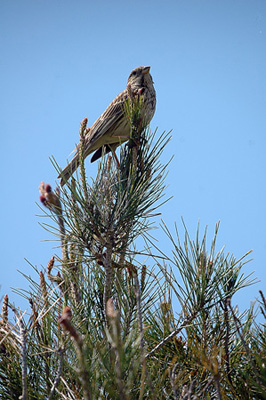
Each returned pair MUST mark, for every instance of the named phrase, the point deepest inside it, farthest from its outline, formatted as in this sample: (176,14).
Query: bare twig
(187,392)
(190,389)
(58,374)
(172,380)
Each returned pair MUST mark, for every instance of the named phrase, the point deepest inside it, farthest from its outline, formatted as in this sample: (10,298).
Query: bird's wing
(106,122)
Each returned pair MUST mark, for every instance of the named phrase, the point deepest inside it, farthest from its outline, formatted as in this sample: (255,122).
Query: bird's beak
(146,70)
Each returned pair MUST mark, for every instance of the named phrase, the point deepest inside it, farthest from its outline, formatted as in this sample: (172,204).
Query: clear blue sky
(62,61)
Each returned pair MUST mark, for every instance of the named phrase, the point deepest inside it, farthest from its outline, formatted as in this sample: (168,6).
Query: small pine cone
(5,309)
(50,265)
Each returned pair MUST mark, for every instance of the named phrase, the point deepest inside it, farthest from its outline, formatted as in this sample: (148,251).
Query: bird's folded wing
(107,121)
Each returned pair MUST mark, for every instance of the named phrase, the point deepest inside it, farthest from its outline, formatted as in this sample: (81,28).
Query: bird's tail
(69,170)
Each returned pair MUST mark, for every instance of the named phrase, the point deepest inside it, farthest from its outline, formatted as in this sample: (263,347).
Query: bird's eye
(134,73)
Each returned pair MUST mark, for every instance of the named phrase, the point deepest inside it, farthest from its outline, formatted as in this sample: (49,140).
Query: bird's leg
(114,155)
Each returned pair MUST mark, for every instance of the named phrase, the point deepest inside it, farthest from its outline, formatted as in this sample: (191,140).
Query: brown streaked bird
(112,128)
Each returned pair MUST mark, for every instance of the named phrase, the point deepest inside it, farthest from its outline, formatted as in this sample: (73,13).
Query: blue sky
(62,61)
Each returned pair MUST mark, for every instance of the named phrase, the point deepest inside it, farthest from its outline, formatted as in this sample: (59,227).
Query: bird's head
(140,77)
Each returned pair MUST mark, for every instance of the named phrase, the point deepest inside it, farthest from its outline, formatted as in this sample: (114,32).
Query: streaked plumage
(112,129)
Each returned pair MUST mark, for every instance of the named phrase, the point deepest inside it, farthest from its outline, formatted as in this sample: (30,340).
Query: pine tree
(106,325)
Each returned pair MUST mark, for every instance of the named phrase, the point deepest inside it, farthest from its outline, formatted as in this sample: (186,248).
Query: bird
(112,128)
